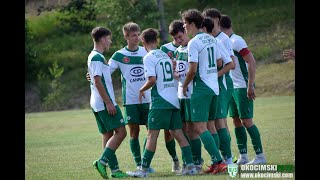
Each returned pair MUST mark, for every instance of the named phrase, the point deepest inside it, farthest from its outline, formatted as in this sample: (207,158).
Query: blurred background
(58,42)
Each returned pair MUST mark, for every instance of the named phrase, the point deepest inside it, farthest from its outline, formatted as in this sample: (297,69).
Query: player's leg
(246,115)
(176,131)
(201,105)
(223,134)
(132,119)
(171,147)
(105,138)
(115,123)
(239,129)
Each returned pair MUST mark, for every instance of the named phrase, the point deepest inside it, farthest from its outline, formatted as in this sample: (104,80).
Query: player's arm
(223,58)
(228,45)
(150,82)
(150,73)
(113,64)
(102,91)
(248,57)
(226,68)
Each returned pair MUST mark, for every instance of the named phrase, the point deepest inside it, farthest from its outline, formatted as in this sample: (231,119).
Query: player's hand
(288,54)
(174,64)
(184,91)
(111,109)
(250,93)
(141,94)
(88,77)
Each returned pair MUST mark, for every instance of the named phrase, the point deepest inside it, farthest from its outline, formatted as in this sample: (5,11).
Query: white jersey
(240,73)
(225,59)
(132,74)
(181,56)
(203,50)
(163,94)
(228,45)
(169,49)
(97,66)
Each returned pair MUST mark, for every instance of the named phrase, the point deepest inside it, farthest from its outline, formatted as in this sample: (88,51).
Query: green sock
(171,147)
(147,158)
(144,144)
(135,150)
(241,138)
(225,146)
(210,146)
(110,157)
(196,150)
(216,139)
(255,139)
(187,154)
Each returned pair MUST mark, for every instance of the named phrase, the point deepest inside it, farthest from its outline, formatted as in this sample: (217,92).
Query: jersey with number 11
(203,50)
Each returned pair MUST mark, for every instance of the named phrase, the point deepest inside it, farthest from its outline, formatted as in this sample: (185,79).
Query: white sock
(245,156)
(229,161)
(261,155)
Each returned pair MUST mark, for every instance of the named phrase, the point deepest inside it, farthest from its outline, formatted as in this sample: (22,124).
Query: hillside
(267,26)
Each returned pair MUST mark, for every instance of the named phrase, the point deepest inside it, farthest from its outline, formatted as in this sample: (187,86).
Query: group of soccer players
(186,88)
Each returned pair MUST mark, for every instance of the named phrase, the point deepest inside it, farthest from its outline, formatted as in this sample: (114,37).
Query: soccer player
(169,49)
(203,53)
(164,110)
(102,101)
(215,15)
(241,106)
(129,61)
(179,35)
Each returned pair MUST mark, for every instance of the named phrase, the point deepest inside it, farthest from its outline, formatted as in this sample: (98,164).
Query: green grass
(63,144)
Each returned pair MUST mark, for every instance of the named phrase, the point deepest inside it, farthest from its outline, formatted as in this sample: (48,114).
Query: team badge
(126,59)
(169,54)
(232,170)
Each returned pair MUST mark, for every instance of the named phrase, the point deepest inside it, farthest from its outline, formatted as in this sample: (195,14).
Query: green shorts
(108,123)
(222,104)
(203,107)
(168,119)
(185,111)
(136,113)
(240,106)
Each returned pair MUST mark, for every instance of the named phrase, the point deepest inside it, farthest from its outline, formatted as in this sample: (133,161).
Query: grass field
(63,145)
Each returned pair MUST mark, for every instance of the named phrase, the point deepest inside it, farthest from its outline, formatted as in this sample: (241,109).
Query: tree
(162,23)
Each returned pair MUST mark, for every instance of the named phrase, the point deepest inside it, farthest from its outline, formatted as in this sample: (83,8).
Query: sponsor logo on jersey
(126,59)
(134,53)
(137,71)
(121,120)
(182,67)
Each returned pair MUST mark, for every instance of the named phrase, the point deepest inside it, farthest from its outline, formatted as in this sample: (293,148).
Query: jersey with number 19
(163,94)
(203,50)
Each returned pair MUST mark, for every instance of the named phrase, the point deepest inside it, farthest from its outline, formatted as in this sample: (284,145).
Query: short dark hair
(225,21)
(149,35)
(98,32)
(207,22)
(193,16)
(130,27)
(212,13)
(175,27)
